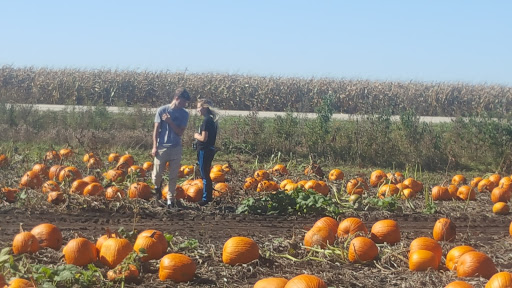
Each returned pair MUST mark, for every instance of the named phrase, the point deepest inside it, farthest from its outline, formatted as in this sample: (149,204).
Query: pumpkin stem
(21,228)
(153,234)
(109,233)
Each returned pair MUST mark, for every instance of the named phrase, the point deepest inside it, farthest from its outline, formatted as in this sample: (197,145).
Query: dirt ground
(277,236)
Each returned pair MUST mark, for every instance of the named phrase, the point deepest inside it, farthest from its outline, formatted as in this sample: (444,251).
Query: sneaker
(179,204)
(203,203)
(171,205)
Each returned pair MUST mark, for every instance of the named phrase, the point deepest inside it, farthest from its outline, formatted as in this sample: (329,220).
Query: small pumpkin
(319,236)
(474,182)
(459,284)
(127,274)
(115,175)
(377,178)
(114,192)
(94,189)
(126,159)
(272,282)
(148,166)
(429,244)
(50,186)
(385,231)
(48,235)
(114,250)
(25,242)
(328,222)
(465,193)
(113,157)
(53,173)
(452,189)
(194,193)
(422,260)
(251,183)
(20,283)
(10,194)
(80,252)
(65,153)
(221,188)
(440,193)
(500,194)
(474,263)
(362,249)
(52,155)
(70,174)
(495,178)
(217,176)
(336,174)
(388,190)
(414,184)
(354,186)
(42,170)
(305,281)
(314,169)
(78,187)
(91,179)
(4,161)
(239,250)
(55,197)
(280,170)
(159,237)
(140,190)
(137,170)
(500,280)
(458,179)
(94,163)
(444,230)
(177,267)
(486,185)
(351,226)
(500,208)
(152,247)
(31,179)
(452,257)
(88,156)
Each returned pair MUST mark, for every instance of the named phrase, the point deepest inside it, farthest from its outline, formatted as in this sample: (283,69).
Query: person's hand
(196,135)
(153,152)
(165,116)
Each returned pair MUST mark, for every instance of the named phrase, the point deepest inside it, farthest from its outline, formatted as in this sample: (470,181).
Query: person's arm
(203,136)
(156,129)
(177,129)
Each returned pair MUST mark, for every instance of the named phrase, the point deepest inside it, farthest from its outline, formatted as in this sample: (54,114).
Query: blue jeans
(205,158)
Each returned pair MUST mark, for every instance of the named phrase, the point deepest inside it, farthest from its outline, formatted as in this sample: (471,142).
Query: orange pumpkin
(388,190)
(78,187)
(80,252)
(90,179)
(65,153)
(115,175)
(459,284)
(31,179)
(53,173)
(152,247)
(251,183)
(444,230)
(127,274)
(88,156)
(159,237)
(20,283)
(395,178)
(500,280)
(272,282)
(305,281)
(429,244)
(414,184)
(177,267)
(220,189)
(452,257)
(328,222)
(354,186)
(458,180)
(440,193)
(10,194)
(319,236)
(500,208)
(113,157)
(422,260)
(474,264)
(4,161)
(499,194)
(377,178)
(475,181)
(314,169)
(495,178)
(351,226)
(140,190)
(50,186)
(48,235)
(94,189)
(114,192)
(126,159)
(148,166)
(261,175)
(362,249)
(104,238)
(385,231)
(25,242)
(55,197)
(194,193)
(52,156)
(486,185)
(114,250)
(280,169)
(94,163)
(42,170)
(336,174)
(70,174)
(137,170)
(240,250)
(217,176)
(466,193)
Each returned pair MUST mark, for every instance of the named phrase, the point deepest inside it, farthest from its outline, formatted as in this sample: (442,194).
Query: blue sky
(430,41)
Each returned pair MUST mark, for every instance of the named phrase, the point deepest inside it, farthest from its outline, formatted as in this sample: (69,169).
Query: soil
(277,236)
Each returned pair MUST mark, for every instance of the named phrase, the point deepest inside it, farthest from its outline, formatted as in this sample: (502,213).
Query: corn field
(239,92)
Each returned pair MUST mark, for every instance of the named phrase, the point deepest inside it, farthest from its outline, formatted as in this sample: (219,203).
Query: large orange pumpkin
(31,179)
(351,226)
(500,194)
(48,235)
(78,187)
(486,185)
(280,169)
(328,222)
(261,175)
(20,283)
(113,157)
(140,190)
(475,181)
(10,194)
(385,231)
(126,159)
(388,190)
(305,281)
(240,250)
(114,250)
(177,267)
(459,284)
(53,173)
(159,237)
(272,282)
(452,257)
(319,236)
(42,170)
(500,280)
(444,230)
(474,263)
(114,192)
(336,174)
(50,186)
(440,193)
(458,179)
(115,175)
(429,244)
(362,249)
(94,189)
(80,252)
(152,247)
(25,242)
(422,260)
(500,208)
(70,174)
(466,193)
(377,178)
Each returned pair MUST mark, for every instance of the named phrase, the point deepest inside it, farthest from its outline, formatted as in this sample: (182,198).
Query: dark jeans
(205,158)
